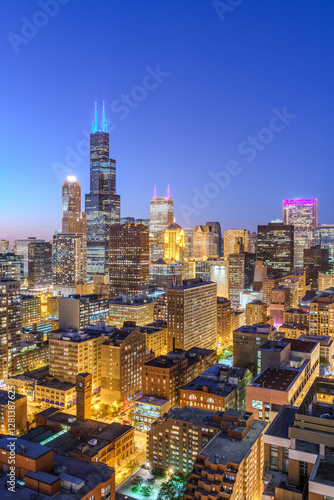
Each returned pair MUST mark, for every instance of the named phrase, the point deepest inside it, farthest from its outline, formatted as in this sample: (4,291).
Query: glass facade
(102,203)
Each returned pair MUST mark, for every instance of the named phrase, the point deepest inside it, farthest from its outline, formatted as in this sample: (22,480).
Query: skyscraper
(69,259)
(39,264)
(192,315)
(217,237)
(203,242)
(275,247)
(102,203)
(129,268)
(324,237)
(303,215)
(73,220)
(161,216)
(230,236)
(174,243)
(241,275)
(10,324)
(21,248)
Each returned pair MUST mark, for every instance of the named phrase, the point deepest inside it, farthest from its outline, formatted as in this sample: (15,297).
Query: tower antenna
(103,119)
(95,119)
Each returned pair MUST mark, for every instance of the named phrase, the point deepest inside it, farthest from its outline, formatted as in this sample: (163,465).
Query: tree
(171,490)
(132,465)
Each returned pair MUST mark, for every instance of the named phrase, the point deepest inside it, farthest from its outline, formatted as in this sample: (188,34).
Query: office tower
(84,396)
(325,281)
(74,353)
(73,220)
(217,238)
(203,242)
(21,248)
(165,272)
(78,311)
(241,275)
(161,216)
(256,313)
(163,376)
(188,239)
(30,310)
(10,324)
(219,274)
(4,246)
(231,464)
(102,203)
(69,258)
(225,322)
(316,260)
(253,242)
(203,270)
(243,238)
(11,266)
(139,310)
(174,243)
(129,267)
(324,237)
(192,315)
(122,356)
(246,341)
(40,265)
(275,247)
(303,215)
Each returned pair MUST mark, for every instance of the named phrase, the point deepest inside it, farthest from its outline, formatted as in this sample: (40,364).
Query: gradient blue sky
(225,78)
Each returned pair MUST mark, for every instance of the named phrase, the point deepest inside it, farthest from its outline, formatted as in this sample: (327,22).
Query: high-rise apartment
(40,264)
(161,216)
(316,260)
(69,258)
(11,266)
(192,315)
(275,247)
(74,353)
(321,317)
(102,203)
(10,323)
(129,267)
(324,237)
(303,215)
(21,248)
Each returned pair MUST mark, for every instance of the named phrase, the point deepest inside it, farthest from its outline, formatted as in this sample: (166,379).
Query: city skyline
(210,87)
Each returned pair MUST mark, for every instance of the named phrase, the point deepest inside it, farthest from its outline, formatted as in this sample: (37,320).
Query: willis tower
(102,204)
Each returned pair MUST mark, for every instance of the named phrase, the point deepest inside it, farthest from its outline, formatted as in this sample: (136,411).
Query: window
(285,459)
(303,467)
(273,457)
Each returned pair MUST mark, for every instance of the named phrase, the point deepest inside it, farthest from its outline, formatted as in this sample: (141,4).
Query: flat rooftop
(273,345)
(281,423)
(57,384)
(195,416)
(32,450)
(187,285)
(256,329)
(279,379)
(223,449)
(298,345)
(4,399)
(150,400)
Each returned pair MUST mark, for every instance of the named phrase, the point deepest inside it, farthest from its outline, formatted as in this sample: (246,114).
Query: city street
(139,455)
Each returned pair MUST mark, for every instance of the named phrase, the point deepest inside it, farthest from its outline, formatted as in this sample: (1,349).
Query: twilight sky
(231,105)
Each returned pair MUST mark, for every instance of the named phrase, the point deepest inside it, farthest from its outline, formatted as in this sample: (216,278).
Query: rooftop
(255,329)
(278,379)
(151,400)
(4,399)
(194,416)
(299,345)
(30,449)
(57,384)
(281,423)
(193,283)
(222,449)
